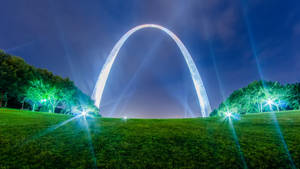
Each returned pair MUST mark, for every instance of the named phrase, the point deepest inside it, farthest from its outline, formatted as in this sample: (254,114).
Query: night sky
(150,79)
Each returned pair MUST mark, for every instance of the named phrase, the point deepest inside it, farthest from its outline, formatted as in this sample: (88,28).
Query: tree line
(26,87)
(261,96)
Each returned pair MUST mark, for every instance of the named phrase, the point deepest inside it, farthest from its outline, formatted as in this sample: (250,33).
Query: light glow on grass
(237,143)
(49,130)
(90,141)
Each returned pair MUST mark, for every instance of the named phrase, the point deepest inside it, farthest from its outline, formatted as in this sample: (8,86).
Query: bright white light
(270,102)
(84,113)
(228,114)
(125,117)
(198,84)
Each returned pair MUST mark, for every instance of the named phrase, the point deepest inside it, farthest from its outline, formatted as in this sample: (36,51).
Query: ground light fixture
(270,103)
(228,114)
(232,115)
(84,113)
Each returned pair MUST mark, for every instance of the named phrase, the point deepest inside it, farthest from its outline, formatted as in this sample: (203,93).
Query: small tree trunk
(53,107)
(277,107)
(271,109)
(257,103)
(261,107)
(22,105)
(33,106)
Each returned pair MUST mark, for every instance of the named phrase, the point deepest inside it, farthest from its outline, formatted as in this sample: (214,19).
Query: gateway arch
(198,84)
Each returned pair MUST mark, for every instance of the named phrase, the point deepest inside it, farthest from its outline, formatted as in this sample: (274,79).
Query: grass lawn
(36,140)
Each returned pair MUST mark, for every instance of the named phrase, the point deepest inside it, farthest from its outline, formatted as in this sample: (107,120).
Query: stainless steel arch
(199,87)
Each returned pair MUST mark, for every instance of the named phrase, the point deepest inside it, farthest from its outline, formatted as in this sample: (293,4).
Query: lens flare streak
(285,146)
(251,37)
(50,129)
(20,46)
(90,142)
(149,56)
(236,140)
(254,51)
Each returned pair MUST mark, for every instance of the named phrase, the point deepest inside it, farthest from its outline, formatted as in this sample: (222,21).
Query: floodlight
(84,113)
(228,114)
(270,102)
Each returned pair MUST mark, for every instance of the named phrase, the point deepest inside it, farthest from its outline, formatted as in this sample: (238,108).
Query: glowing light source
(83,113)
(270,103)
(228,114)
(125,118)
(198,84)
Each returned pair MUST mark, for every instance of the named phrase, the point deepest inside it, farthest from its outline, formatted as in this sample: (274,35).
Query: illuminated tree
(40,92)
(35,93)
(25,85)
(293,96)
(261,96)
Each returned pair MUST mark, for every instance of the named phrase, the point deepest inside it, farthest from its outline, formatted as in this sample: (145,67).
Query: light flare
(49,130)
(90,141)
(84,113)
(228,114)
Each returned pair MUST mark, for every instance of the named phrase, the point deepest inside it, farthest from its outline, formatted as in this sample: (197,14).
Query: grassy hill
(36,140)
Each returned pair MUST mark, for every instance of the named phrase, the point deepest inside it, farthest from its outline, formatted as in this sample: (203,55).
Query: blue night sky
(150,79)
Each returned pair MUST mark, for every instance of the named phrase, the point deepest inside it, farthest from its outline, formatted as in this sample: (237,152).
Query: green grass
(27,141)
